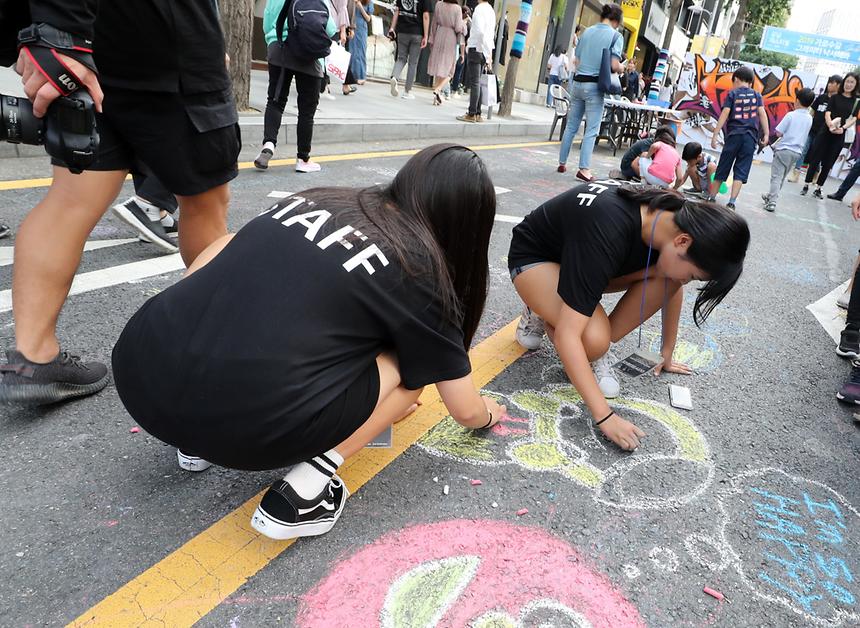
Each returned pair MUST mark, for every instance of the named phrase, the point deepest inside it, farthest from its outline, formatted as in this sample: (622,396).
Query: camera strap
(44,44)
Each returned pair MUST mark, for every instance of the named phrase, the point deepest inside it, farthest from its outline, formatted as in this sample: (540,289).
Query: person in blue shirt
(745,120)
(586,99)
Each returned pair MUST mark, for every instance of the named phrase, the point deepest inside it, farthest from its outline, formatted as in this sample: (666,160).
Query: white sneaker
(530,330)
(408,96)
(844,299)
(307,166)
(327,96)
(191,463)
(606,378)
(393,85)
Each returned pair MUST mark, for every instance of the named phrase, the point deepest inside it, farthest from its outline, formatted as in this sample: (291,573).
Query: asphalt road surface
(752,494)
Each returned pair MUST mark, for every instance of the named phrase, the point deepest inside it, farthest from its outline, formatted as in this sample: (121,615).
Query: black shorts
(242,442)
(190,143)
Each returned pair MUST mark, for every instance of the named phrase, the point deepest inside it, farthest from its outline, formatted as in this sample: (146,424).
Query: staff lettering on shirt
(313,221)
(596,188)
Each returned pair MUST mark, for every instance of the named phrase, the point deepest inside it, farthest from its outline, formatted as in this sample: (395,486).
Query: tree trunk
(507,99)
(237,21)
(674,12)
(738,31)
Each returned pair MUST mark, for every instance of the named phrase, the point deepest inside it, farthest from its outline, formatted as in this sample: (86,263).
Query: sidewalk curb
(327,132)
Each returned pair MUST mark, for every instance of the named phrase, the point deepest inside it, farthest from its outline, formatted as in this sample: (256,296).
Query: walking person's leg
(550,81)
(308,100)
(400,59)
(813,160)
(150,189)
(848,183)
(831,154)
(473,81)
(279,90)
(783,161)
(593,117)
(574,120)
(414,56)
(149,211)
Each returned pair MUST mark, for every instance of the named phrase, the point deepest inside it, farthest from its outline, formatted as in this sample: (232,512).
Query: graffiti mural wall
(705,81)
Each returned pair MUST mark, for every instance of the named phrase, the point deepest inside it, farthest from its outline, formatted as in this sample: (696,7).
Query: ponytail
(720,240)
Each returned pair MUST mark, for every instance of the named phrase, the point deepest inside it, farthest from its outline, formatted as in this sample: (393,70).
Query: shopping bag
(608,82)
(489,92)
(377,29)
(337,62)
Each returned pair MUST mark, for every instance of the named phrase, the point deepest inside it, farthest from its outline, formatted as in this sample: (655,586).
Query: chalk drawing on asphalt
(707,551)
(481,574)
(631,571)
(794,542)
(664,559)
(548,432)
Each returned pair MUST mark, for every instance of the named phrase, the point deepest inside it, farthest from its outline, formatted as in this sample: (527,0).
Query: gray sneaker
(64,377)
(530,330)
(606,378)
(262,160)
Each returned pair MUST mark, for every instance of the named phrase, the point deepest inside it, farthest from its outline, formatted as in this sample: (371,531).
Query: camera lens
(17,122)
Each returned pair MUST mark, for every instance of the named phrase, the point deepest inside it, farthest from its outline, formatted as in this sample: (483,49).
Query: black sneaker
(850,391)
(834,197)
(262,160)
(817,193)
(5,231)
(804,190)
(730,205)
(64,377)
(172,231)
(283,515)
(132,213)
(849,344)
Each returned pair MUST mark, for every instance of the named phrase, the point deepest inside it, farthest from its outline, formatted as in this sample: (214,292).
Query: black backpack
(306,28)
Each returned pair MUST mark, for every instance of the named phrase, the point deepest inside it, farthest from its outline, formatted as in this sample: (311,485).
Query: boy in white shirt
(792,132)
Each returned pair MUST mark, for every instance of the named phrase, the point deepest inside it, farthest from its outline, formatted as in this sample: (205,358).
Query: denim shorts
(740,150)
(521,269)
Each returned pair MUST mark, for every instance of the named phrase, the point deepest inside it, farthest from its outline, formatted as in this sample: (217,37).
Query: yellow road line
(187,584)
(21,184)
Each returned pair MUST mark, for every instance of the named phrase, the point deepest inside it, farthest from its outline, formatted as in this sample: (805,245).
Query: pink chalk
(713,593)
(522,511)
(475,482)
(134,430)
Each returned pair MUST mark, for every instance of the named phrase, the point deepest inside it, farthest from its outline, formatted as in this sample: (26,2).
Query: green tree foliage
(752,53)
(756,13)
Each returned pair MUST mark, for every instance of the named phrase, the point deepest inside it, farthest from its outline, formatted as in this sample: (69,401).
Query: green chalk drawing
(536,443)
(495,619)
(420,597)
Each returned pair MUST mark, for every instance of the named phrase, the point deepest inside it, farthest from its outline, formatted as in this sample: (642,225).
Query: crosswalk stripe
(113,276)
(7,252)
(514,220)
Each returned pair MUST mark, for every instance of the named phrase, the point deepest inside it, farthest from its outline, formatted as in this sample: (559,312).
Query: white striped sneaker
(283,514)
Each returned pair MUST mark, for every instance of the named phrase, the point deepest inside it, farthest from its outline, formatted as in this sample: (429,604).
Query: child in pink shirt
(661,165)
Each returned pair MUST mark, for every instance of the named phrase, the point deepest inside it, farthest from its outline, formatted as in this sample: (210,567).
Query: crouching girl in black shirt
(599,238)
(300,339)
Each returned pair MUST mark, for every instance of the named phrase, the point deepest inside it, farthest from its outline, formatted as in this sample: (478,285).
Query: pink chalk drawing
(481,574)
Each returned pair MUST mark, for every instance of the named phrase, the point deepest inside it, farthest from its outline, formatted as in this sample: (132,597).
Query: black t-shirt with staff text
(592,232)
(293,310)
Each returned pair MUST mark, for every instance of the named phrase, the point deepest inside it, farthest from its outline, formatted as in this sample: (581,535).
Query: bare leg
(634,166)
(736,188)
(47,253)
(394,401)
(204,220)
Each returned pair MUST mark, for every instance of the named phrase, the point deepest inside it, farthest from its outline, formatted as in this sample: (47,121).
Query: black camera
(68,130)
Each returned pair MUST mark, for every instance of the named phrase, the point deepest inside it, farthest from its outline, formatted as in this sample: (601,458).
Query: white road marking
(113,276)
(830,315)
(279,194)
(514,220)
(7,252)
(501,190)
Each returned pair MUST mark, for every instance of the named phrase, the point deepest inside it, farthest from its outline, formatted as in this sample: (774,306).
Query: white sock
(153,212)
(168,220)
(309,478)
(270,146)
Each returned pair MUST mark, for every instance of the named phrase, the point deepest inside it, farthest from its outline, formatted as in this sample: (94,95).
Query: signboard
(709,45)
(809,45)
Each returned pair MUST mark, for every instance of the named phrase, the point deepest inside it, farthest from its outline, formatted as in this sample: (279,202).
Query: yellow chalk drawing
(535,442)
(703,357)
(420,597)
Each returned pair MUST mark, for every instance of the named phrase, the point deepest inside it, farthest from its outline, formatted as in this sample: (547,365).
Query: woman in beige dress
(446,35)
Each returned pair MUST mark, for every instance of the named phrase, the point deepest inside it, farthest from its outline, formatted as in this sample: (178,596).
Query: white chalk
(445,489)
(494,505)
(436,479)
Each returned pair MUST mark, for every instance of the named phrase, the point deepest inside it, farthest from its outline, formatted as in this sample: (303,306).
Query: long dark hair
(435,218)
(666,135)
(720,240)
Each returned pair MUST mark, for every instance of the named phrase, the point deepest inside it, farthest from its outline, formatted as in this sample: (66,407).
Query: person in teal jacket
(283,68)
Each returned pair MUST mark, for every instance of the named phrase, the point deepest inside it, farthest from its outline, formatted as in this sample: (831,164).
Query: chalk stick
(475,482)
(522,511)
(445,489)
(134,430)
(713,593)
